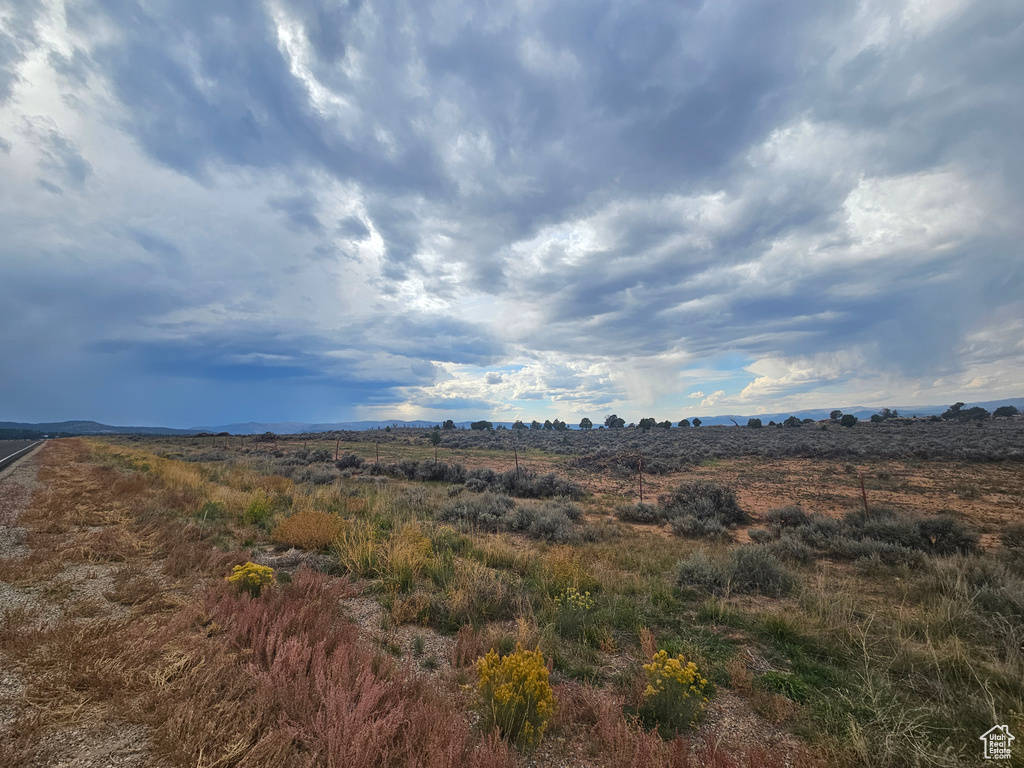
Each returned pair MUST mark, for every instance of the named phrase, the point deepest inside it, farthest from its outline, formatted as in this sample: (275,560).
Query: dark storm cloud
(640,112)
(393,189)
(444,339)
(219,89)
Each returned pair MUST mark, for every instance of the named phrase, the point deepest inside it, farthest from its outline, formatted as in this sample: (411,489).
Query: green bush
(704,501)
(791,548)
(260,512)
(787,517)
(759,535)
(639,513)
(488,511)
(690,527)
(753,569)
(698,570)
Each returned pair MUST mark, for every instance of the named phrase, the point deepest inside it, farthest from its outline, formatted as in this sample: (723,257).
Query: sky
(327,211)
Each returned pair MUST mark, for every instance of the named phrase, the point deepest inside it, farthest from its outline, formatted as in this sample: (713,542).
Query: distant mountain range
(298,428)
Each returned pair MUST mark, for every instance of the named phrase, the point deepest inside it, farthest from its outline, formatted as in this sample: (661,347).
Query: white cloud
(713,399)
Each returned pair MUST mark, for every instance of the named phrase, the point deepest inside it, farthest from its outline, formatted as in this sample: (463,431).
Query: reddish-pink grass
(303,691)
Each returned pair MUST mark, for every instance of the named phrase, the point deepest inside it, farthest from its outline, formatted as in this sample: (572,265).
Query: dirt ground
(988,496)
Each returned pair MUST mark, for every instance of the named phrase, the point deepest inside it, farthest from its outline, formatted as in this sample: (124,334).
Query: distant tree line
(956,412)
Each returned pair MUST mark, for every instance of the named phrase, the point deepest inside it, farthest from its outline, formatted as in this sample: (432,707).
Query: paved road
(8,449)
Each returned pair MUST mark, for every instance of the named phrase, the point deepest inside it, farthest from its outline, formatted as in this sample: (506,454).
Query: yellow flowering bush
(575,600)
(251,578)
(515,695)
(674,697)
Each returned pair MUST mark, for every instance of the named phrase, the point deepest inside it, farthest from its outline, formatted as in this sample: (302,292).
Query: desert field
(808,596)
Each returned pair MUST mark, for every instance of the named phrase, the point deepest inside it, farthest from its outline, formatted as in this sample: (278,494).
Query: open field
(830,631)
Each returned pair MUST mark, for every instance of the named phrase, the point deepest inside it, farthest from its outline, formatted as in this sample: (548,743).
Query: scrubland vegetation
(565,623)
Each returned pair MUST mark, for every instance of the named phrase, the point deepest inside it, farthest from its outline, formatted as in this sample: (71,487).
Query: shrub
(309,529)
(698,570)
(820,532)
(349,461)
(515,697)
(441,472)
(704,501)
(319,455)
(753,569)
(789,547)
(674,697)
(787,517)
(898,532)
(565,506)
(258,512)
(550,525)
(689,526)
(251,578)
(523,483)
(759,535)
(878,535)
(639,513)
(486,511)
(945,536)
(1013,538)
(550,521)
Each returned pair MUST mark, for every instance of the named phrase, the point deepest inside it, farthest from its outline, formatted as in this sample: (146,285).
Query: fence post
(641,478)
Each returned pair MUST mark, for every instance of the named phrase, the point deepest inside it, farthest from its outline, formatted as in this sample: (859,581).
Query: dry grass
(221,678)
(882,656)
(309,529)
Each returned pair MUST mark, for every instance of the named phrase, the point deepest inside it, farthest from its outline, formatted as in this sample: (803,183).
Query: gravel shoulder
(82,738)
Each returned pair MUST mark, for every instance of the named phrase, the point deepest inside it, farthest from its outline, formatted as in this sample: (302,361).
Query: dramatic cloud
(294,210)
